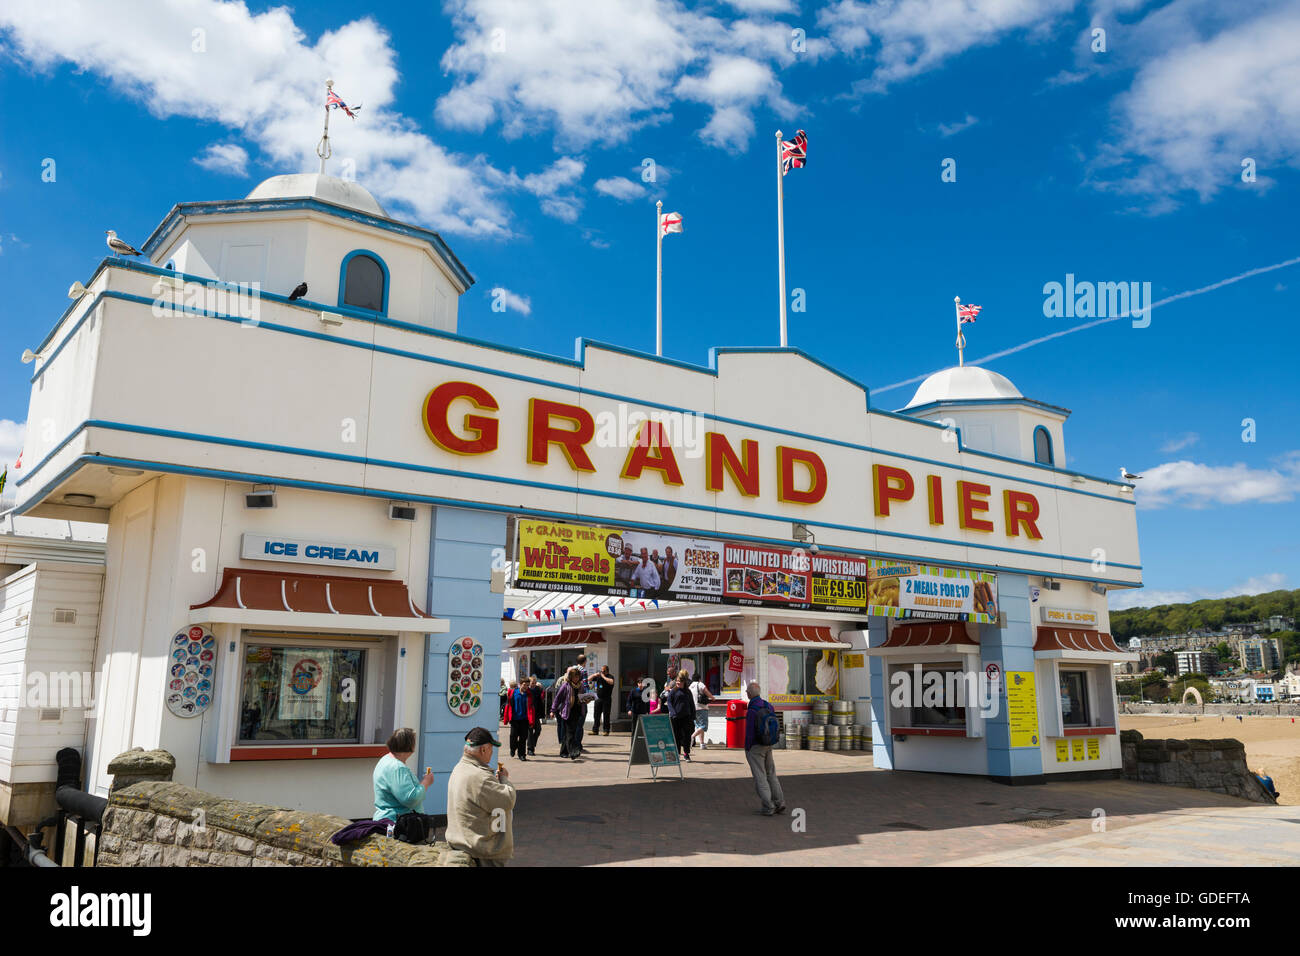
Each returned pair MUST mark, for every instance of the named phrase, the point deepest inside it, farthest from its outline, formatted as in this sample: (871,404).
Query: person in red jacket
(521,716)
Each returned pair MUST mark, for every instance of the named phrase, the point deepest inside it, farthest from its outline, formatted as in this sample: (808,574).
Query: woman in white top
(702,697)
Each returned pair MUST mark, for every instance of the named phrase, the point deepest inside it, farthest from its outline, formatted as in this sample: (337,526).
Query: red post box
(736,713)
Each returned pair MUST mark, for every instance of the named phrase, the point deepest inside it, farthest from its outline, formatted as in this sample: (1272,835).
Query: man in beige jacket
(480,804)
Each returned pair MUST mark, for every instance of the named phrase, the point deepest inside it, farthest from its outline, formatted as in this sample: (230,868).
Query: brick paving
(588,813)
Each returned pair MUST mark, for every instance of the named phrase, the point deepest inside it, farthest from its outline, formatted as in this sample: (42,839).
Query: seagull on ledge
(1126,474)
(118,246)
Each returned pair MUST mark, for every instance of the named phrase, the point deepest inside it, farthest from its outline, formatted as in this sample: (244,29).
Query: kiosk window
(794,670)
(1074,698)
(935,705)
(301,693)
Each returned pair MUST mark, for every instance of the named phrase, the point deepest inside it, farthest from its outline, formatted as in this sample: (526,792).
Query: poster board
(1022,709)
(653,743)
(646,566)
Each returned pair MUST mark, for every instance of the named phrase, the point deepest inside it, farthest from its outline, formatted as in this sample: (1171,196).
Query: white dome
(319,186)
(962,384)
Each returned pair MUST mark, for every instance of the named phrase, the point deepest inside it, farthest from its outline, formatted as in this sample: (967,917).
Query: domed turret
(991,414)
(963,383)
(329,189)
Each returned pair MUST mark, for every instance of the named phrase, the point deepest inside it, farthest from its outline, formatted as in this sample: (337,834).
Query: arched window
(1043,446)
(363,282)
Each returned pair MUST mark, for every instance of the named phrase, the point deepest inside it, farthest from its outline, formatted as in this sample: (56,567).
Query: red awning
(803,635)
(698,640)
(1069,639)
(580,637)
(312,594)
(930,634)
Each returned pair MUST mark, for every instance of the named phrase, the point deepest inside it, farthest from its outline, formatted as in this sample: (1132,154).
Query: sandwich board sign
(653,743)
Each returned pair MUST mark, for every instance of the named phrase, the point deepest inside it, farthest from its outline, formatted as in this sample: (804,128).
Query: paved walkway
(588,813)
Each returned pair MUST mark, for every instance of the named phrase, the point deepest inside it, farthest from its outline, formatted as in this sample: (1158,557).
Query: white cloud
(224,158)
(11,443)
(1194,485)
(1145,597)
(261,75)
(1220,94)
(734,86)
(511,301)
(552,186)
(1178,444)
(620,188)
(952,129)
(905,38)
(595,71)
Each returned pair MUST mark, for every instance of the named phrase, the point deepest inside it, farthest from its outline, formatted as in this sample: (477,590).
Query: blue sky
(519,128)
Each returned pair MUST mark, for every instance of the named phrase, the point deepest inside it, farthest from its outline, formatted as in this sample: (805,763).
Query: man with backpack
(762,731)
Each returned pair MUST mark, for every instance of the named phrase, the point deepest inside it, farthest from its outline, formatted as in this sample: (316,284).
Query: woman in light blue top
(397,790)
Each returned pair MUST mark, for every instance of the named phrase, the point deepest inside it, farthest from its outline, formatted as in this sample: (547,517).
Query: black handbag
(413,828)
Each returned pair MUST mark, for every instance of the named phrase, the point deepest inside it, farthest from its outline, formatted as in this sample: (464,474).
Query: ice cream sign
(464,676)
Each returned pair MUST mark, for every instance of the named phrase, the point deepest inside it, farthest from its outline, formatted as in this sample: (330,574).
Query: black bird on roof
(299,292)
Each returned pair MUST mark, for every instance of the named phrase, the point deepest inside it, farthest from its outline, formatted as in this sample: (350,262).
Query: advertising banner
(644,565)
(919,590)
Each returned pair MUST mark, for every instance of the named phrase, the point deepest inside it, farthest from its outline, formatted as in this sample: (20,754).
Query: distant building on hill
(1197,662)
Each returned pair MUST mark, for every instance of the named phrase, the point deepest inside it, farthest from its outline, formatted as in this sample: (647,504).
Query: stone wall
(1217,765)
(154,822)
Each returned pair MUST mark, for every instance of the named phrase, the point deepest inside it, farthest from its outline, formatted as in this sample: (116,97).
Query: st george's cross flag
(794,153)
(670,222)
(967,313)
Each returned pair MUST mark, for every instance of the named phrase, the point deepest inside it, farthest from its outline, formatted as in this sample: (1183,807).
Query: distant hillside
(1177,618)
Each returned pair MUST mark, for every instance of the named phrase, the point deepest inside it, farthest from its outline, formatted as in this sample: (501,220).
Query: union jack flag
(794,153)
(967,313)
(334,101)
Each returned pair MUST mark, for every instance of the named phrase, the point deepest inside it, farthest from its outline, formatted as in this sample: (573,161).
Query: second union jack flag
(334,101)
(794,153)
(967,313)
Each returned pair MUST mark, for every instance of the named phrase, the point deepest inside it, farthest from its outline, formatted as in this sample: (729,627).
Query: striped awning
(705,640)
(1071,639)
(929,634)
(579,637)
(799,634)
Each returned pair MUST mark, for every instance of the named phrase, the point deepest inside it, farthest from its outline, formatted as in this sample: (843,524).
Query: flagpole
(323,150)
(780,233)
(961,345)
(659,278)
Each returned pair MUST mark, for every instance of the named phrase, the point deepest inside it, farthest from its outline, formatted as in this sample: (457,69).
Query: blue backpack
(767,730)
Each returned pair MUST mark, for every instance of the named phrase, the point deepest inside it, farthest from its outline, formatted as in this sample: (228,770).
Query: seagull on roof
(1126,474)
(299,291)
(118,246)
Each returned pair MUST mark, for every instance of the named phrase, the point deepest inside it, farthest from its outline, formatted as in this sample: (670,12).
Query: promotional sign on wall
(918,590)
(645,565)
(191,663)
(305,685)
(464,676)
(1022,708)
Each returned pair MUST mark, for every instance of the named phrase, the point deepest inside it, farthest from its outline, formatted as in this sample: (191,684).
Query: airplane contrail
(1088,325)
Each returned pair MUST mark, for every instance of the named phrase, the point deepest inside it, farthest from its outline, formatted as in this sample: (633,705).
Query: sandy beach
(1272,743)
